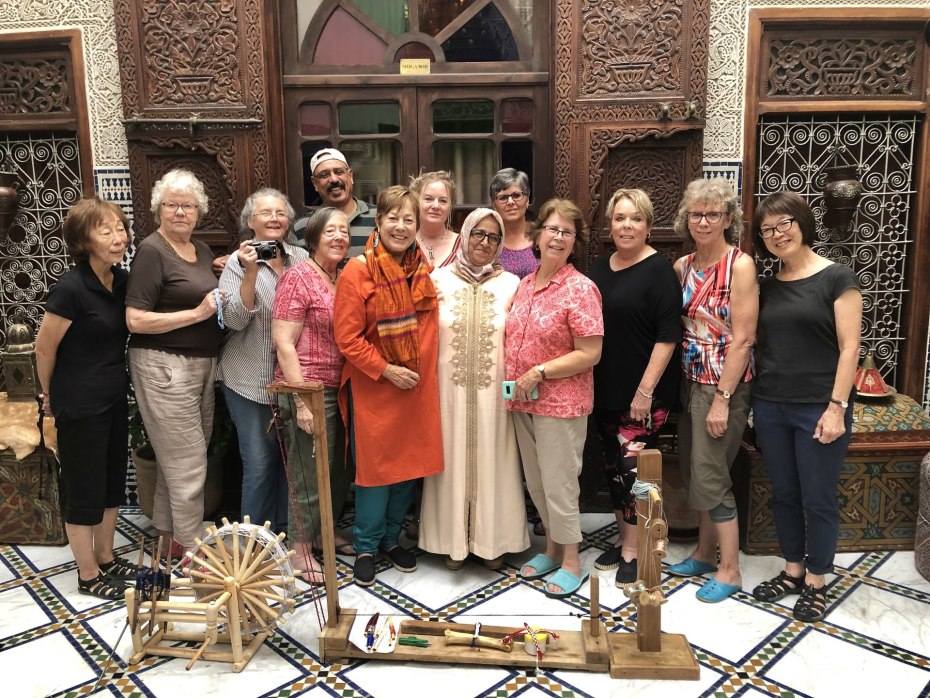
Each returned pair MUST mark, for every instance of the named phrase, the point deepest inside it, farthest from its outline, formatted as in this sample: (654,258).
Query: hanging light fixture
(841,192)
(9,199)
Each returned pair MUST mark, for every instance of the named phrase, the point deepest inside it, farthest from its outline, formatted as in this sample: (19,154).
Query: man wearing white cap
(332,179)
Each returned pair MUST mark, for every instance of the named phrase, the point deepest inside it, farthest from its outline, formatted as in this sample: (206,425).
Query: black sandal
(102,587)
(778,587)
(119,568)
(812,606)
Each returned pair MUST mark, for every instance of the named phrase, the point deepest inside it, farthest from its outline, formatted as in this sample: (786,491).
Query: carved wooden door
(630,91)
(193,84)
(630,86)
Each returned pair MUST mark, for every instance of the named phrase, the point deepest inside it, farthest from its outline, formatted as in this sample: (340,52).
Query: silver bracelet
(645,395)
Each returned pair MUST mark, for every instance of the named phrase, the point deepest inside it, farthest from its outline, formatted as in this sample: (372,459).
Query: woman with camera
(302,332)
(247,358)
(476,504)
(553,339)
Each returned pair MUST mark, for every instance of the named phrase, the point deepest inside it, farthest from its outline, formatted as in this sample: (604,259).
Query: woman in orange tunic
(386,322)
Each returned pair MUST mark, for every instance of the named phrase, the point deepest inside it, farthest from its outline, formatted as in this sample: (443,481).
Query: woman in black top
(809,322)
(80,356)
(635,383)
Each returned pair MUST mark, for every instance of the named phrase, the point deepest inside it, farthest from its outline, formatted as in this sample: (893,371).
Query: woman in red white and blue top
(720,298)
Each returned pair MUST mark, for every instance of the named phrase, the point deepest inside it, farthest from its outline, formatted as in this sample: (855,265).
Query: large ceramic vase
(9,198)
(841,193)
(147,475)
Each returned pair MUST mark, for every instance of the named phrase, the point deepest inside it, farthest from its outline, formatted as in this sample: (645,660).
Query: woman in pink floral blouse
(553,339)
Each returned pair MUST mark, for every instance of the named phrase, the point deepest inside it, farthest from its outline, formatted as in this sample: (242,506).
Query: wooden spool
(651,654)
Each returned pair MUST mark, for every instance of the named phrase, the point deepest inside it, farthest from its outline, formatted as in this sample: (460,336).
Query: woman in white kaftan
(476,504)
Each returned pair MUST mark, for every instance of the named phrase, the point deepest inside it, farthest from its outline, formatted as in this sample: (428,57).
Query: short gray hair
(506,178)
(179,181)
(249,208)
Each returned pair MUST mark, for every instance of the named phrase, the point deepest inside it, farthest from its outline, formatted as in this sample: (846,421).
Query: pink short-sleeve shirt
(302,296)
(542,326)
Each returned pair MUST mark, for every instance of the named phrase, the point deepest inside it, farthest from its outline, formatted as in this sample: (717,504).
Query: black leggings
(620,459)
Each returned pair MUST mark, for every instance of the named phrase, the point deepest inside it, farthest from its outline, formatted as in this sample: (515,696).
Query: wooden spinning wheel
(260,566)
(241,587)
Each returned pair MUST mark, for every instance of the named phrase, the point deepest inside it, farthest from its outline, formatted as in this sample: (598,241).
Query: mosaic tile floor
(874,642)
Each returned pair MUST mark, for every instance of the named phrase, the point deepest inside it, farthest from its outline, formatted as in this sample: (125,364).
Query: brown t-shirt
(160,281)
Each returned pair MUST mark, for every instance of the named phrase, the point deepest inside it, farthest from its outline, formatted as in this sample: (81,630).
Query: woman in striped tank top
(721,307)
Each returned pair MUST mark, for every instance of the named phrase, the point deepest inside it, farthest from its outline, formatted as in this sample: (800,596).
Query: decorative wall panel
(33,257)
(95,20)
(723,130)
(601,51)
(630,48)
(190,47)
(793,152)
(33,84)
(842,67)
(193,81)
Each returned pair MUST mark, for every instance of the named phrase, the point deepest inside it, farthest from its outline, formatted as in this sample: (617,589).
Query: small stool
(922,535)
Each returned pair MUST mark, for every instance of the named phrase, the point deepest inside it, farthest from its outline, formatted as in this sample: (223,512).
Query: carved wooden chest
(878,489)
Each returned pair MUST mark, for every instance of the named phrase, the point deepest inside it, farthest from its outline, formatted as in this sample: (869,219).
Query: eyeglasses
(711,216)
(187,208)
(782,227)
(556,231)
(482,235)
(517,197)
(325,174)
(331,233)
(268,215)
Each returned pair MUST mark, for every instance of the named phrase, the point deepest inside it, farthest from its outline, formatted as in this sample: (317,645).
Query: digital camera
(265,249)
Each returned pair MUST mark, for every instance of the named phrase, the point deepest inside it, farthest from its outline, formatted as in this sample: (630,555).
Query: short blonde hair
(424,179)
(640,200)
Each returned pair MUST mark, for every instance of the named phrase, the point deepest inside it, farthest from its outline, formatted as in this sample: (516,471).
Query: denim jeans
(304,524)
(804,475)
(264,483)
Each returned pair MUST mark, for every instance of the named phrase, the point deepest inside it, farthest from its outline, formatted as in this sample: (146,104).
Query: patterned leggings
(622,438)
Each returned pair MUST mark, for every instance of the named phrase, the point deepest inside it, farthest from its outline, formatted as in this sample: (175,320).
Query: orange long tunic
(398,433)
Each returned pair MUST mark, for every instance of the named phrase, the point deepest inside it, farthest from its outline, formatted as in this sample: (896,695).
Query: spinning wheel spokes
(261,569)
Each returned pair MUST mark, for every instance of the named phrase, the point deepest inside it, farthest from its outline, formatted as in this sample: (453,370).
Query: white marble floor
(875,641)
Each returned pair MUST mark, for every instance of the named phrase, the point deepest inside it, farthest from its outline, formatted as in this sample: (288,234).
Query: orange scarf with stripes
(401,291)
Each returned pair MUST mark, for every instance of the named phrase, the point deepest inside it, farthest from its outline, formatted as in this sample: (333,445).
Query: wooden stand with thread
(650,654)
(584,650)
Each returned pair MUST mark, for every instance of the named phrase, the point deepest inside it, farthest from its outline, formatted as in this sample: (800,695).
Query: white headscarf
(476,273)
